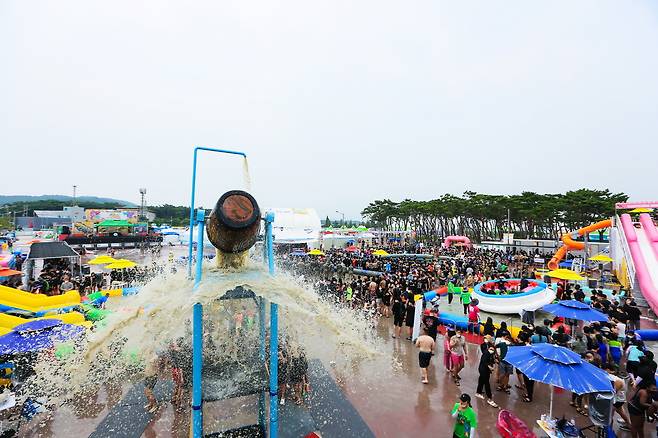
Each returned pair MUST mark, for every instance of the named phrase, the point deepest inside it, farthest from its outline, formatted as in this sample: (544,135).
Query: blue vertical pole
(197,361)
(274,369)
(261,356)
(269,219)
(200,221)
(189,252)
(194,160)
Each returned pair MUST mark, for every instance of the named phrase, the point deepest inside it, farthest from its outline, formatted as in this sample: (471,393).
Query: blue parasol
(573,309)
(38,335)
(558,366)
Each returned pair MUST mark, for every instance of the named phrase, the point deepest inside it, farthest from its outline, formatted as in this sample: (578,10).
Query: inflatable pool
(536,295)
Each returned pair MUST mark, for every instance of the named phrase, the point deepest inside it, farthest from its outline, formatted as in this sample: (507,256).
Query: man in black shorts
(399,309)
(426,345)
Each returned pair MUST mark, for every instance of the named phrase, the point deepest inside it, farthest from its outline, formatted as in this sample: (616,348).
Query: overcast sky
(337,103)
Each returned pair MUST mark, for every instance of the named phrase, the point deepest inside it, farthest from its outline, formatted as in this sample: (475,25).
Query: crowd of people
(392,283)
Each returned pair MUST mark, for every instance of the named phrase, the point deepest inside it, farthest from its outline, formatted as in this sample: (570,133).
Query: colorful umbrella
(641,210)
(564,274)
(380,252)
(102,260)
(315,252)
(38,335)
(121,264)
(573,309)
(558,366)
(351,248)
(601,258)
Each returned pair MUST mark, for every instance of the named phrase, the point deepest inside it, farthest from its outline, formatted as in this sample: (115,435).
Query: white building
(296,225)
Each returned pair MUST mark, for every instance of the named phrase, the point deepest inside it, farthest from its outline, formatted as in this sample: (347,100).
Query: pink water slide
(642,241)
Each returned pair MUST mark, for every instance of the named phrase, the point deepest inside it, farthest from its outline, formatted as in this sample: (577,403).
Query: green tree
(482,216)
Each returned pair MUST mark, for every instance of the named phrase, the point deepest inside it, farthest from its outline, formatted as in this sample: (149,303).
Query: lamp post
(343,214)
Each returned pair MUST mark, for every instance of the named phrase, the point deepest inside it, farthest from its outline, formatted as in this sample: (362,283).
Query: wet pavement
(385,390)
(389,395)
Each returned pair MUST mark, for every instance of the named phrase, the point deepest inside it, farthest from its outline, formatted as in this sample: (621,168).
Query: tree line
(173,214)
(486,217)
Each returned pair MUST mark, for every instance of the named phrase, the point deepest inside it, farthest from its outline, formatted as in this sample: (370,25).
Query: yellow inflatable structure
(39,305)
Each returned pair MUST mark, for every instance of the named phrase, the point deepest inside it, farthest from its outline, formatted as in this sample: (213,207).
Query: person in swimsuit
(620,393)
(640,404)
(152,371)
(282,374)
(426,344)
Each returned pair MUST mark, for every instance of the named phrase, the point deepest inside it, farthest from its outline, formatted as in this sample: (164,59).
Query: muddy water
(245,174)
(143,326)
(225,260)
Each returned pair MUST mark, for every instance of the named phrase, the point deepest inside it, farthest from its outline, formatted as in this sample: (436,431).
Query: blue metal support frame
(274,369)
(261,356)
(269,242)
(197,363)
(200,222)
(196,150)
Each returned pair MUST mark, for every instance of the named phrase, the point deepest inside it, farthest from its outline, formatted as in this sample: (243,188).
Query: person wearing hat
(466,418)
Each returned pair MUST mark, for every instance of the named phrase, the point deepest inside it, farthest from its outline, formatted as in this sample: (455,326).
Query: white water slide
(642,238)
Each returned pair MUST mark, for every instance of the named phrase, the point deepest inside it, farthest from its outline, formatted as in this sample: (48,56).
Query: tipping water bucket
(234,223)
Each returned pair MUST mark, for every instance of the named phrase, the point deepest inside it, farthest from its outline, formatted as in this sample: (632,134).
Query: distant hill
(10,199)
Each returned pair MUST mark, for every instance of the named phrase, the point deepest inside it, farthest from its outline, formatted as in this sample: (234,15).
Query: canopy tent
(51,250)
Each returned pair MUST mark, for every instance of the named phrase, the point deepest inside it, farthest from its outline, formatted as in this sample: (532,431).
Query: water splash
(142,327)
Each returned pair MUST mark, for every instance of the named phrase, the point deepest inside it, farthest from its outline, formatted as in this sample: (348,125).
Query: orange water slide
(570,244)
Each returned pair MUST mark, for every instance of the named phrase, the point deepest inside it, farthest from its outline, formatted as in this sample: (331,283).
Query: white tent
(295,225)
